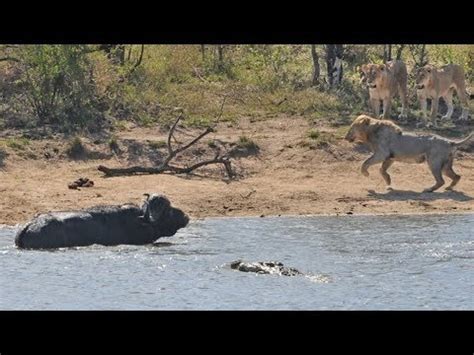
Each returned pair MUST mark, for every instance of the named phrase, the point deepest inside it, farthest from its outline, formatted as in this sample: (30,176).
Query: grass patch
(247,143)
(314,134)
(244,147)
(120,125)
(76,148)
(212,144)
(113,144)
(317,139)
(17,143)
(157,144)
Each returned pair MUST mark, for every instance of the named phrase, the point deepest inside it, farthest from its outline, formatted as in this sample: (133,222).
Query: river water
(350,262)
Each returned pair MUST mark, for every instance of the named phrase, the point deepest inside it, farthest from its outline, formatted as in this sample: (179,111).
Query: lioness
(384,82)
(389,144)
(433,83)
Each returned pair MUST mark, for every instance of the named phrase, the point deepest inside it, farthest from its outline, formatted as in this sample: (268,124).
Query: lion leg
(449,172)
(448,98)
(435,168)
(374,159)
(434,107)
(423,106)
(383,170)
(463,97)
(375,103)
(387,105)
(434,110)
(404,98)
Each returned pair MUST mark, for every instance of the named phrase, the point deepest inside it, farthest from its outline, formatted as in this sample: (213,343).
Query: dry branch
(165,166)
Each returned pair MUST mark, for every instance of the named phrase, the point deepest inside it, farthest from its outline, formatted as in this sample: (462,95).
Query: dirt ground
(290,175)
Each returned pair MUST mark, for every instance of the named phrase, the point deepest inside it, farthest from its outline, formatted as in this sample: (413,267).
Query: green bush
(247,143)
(76,149)
(314,134)
(57,84)
(84,86)
(113,144)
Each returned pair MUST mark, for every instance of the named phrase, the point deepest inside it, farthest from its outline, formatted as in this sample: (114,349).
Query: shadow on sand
(404,195)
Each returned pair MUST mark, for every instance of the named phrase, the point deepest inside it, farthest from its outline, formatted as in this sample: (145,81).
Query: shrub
(57,84)
(18,143)
(314,134)
(76,149)
(247,143)
(157,144)
(113,144)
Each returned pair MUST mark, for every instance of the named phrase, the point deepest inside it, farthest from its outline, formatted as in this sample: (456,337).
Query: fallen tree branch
(165,166)
(130,171)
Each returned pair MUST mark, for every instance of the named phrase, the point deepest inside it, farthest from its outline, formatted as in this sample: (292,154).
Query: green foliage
(456,54)
(113,144)
(314,134)
(318,139)
(57,83)
(157,144)
(247,143)
(17,143)
(77,86)
(76,149)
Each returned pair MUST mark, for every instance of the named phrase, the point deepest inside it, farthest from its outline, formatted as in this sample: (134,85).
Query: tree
(419,54)
(334,53)
(387,53)
(316,68)
(399,51)
(220,57)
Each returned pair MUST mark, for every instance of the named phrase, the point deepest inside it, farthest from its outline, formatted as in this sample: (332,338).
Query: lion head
(376,75)
(424,77)
(364,127)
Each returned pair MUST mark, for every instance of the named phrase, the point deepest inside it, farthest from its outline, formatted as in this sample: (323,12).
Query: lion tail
(464,141)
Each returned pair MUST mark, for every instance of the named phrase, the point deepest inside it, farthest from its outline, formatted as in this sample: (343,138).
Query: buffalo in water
(104,225)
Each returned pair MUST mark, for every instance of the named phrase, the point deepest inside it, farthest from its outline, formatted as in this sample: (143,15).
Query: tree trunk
(423,60)
(387,53)
(419,55)
(203,52)
(220,56)
(334,54)
(316,68)
(399,51)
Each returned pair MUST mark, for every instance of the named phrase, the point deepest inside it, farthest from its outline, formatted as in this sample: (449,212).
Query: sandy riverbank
(289,176)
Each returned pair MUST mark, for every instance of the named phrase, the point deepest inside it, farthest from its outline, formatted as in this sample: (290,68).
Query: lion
(384,82)
(389,143)
(433,83)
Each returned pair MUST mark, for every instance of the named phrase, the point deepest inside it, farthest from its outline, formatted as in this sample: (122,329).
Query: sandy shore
(287,177)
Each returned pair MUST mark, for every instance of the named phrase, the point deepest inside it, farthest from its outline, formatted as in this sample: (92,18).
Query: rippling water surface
(351,262)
